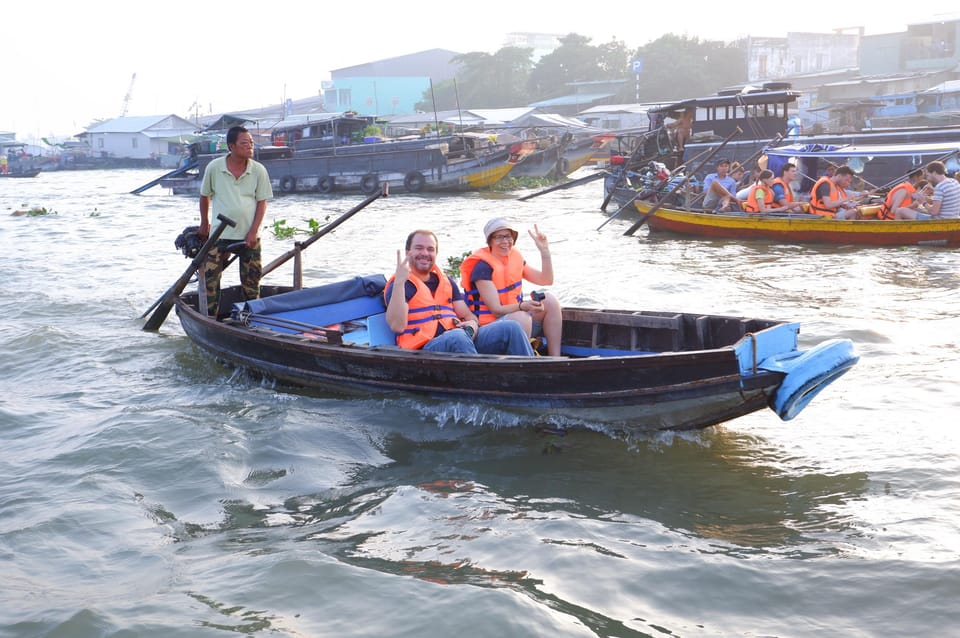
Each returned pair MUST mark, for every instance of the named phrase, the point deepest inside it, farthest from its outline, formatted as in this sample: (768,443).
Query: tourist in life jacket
(760,197)
(783,190)
(492,278)
(829,197)
(426,310)
(945,201)
(909,193)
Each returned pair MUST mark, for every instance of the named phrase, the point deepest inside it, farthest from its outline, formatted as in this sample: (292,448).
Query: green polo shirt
(235,198)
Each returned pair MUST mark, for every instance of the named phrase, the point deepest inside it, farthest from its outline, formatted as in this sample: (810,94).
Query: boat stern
(806,373)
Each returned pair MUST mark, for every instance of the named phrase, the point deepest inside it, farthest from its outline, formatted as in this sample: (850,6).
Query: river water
(147,490)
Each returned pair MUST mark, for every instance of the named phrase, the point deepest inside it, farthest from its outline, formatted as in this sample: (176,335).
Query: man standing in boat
(239,188)
(426,310)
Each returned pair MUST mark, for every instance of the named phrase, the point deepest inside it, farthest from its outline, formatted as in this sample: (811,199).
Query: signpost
(636,66)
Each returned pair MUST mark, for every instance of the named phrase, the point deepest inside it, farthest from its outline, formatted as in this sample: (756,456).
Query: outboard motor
(188,242)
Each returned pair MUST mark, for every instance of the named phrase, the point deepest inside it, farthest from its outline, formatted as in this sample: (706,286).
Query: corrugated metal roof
(573,99)
(637,109)
(950,86)
(130,124)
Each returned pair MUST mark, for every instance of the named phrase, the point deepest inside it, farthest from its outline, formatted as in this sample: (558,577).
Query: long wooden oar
(165,303)
(656,191)
(636,226)
(626,165)
(565,185)
(300,246)
(773,140)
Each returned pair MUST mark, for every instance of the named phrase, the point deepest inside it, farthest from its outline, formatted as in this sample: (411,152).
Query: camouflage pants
(250,272)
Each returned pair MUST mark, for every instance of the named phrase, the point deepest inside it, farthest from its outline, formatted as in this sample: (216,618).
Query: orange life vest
(787,191)
(886,209)
(426,310)
(750,205)
(816,204)
(507,277)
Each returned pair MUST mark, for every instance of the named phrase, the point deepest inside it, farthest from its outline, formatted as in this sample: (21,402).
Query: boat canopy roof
(863,150)
(737,99)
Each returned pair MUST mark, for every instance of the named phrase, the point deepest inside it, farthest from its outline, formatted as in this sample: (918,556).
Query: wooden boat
(801,228)
(325,154)
(30,172)
(629,370)
(641,191)
(559,159)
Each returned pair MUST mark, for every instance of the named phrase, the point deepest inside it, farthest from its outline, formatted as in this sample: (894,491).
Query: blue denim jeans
(503,337)
(499,337)
(451,341)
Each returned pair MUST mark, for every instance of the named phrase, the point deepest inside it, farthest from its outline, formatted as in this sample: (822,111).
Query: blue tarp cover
(368,286)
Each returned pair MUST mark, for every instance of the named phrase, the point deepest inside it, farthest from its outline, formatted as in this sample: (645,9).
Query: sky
(66,65)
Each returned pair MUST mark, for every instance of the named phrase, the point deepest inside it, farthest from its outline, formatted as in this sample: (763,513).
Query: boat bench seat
(619,332)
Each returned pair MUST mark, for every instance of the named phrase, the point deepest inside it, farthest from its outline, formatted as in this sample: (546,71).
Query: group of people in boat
(925,193)
(424,306)
(428,310)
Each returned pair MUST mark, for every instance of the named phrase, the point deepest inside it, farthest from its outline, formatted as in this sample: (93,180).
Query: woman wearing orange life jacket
(760,197)
(491,278)
(829,198)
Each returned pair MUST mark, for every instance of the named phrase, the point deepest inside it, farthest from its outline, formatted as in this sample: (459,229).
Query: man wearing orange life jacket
(426,310)
(760,196)
(492,278)
(908,194)
(783,191)
(829,198)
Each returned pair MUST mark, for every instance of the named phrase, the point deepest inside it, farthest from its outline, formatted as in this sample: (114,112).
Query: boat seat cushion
(376,333)
(325,316)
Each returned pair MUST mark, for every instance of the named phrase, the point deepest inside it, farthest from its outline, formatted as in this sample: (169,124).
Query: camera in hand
(536,295)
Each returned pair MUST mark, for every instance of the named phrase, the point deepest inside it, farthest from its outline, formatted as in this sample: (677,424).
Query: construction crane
(126,98)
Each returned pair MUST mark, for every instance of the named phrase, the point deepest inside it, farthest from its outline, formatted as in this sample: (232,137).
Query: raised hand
(539,238)
(403,268)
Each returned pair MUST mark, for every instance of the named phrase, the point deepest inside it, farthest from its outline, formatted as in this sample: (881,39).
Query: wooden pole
(643,219)
(165,303)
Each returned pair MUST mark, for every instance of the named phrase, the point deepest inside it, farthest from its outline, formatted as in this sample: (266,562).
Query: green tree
(678,67)
(674,67)
(573,61)
(485,81)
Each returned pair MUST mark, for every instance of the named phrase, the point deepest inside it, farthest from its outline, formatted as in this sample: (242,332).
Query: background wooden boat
(31,172)
(802,227)
(638,370)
